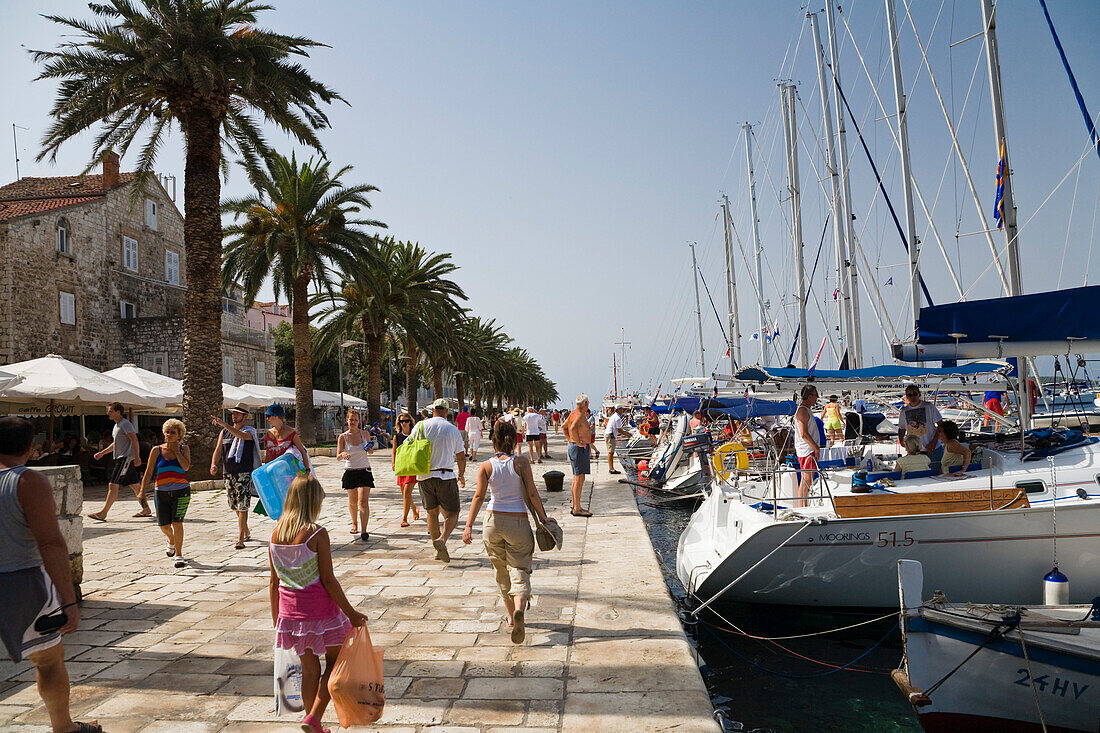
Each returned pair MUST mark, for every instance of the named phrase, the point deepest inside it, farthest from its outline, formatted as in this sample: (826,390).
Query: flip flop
(404,524)
(87,728)
(581,513)
(144,514)
(238,546)
(97,518)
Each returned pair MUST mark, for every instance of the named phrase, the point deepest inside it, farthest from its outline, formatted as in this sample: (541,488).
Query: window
(127,309)
(64,243)
(172,267)
(227,370)
(261,373)
(130,254)
(151,214)
(68,308)
(157,362)
(1032,487)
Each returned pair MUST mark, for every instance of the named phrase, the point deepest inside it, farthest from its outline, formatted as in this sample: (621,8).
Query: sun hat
(240,407)
(441,404)
(275,411)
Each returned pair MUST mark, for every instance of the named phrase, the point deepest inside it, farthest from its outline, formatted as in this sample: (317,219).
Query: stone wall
(68,494)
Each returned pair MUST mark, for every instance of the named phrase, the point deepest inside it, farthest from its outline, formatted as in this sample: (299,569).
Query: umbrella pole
(49,431)
(83,429)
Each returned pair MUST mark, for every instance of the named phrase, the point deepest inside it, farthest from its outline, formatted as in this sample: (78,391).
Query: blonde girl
(167,468)
(310,613)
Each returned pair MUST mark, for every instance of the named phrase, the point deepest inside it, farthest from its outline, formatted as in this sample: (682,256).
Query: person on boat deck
(956,455)
(919,418)
(994,404)
(913,460)
(698,420)
(806,446)
(834,426)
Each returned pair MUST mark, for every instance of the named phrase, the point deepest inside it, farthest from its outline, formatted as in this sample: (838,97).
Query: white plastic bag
(288,682)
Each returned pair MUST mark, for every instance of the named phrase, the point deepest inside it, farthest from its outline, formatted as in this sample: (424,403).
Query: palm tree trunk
(460,390)
(477,395)
(202,311)
(412,360)
(437,379)
(374,376)
(303,359)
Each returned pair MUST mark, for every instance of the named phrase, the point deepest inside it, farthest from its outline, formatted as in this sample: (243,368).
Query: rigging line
(885,196)
(1072,79)
(1088,149)
(1069,224)
(1092,234)
(958,149)
(897,142)
(715,309)
(813,270)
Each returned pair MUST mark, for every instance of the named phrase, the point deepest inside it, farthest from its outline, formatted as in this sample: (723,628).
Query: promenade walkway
(161,650)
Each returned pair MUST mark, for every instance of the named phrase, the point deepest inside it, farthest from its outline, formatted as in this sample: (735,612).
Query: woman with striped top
(167,469)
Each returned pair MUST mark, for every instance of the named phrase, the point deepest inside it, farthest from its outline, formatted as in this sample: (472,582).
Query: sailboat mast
(840,231)
(731,288)
(1008,203)
(759,250)
(790,138)
(614,377)
(698,313)
(906,165)
(851,272)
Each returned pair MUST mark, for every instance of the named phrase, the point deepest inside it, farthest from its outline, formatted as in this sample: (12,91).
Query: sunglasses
(404,421)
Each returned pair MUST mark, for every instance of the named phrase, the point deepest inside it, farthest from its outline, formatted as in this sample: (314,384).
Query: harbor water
(789,686)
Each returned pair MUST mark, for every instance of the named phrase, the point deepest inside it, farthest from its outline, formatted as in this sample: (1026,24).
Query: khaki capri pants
(510,544)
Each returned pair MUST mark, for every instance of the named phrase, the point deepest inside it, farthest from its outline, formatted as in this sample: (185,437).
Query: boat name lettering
(1058,687)
(845,537)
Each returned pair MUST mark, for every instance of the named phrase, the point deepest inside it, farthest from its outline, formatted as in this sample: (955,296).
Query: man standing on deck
(806,437)
(127,454)
(439,487)
(579,436)
(920,418)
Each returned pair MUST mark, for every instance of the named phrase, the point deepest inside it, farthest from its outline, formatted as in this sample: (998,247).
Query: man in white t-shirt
(439,487)
(531,421)
(919,419)
(612,429)
(127,454)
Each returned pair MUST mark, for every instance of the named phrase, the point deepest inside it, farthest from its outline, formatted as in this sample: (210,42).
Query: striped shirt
(170,475)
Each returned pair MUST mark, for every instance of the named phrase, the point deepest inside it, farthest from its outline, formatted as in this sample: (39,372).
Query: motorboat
(993,668)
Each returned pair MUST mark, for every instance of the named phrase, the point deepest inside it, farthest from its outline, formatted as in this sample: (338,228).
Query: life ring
(741,460)
(644,429)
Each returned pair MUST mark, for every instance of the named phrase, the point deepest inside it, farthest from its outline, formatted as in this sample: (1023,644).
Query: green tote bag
(414,456)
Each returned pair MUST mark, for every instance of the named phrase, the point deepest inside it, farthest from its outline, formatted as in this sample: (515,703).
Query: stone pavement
(190,651)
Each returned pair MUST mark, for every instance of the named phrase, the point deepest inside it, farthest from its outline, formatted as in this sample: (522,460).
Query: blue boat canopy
(890,372)
(738,408)
(1053,316)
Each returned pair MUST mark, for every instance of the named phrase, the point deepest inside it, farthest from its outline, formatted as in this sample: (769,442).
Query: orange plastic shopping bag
(356,683)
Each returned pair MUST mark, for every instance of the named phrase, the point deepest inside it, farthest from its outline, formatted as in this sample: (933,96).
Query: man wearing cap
(579,435)
(439,487)
(239,446)
(611,432)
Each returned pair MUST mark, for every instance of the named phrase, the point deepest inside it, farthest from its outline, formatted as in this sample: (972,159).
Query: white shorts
(475,440)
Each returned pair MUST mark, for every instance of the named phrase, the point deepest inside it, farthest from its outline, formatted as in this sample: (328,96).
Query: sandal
(310,724)
(404,524)
(97,517)
(87,728)
(239,546)
(143,514)
(581,513)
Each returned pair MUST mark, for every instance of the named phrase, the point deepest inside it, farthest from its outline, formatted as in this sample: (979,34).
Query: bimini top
(736,407)
(875,374)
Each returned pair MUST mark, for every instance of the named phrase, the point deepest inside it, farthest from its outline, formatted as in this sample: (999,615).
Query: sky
(566,153)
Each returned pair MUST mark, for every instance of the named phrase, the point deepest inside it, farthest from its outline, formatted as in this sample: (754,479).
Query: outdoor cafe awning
(53,380)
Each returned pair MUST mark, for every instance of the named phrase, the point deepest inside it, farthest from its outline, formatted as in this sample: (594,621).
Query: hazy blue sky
(566,152)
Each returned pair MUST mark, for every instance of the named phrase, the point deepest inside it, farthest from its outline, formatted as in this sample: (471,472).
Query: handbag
(414,456)
(545,538)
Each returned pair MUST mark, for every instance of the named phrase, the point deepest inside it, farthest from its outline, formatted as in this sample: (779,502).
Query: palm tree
(479,342)
(401,286)
(205,66)
(297,223)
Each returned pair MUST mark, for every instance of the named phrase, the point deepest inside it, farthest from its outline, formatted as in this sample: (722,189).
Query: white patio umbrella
(8,380)
(172,389)
(53,379)
(278,395)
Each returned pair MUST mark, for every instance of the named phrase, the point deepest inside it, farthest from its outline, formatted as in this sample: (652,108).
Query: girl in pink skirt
(308,607)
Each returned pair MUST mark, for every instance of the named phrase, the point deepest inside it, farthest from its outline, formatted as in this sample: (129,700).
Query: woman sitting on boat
(913,460)
(956,455)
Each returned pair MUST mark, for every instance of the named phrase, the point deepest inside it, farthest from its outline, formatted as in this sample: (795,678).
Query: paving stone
(503,688)
(435,688)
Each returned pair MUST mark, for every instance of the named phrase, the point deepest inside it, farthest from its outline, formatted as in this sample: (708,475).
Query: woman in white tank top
(508,538)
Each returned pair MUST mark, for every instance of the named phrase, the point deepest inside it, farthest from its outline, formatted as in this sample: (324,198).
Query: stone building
(89,273)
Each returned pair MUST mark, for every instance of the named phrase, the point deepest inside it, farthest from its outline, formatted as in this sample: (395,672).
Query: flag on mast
(999,204)
(819,350)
